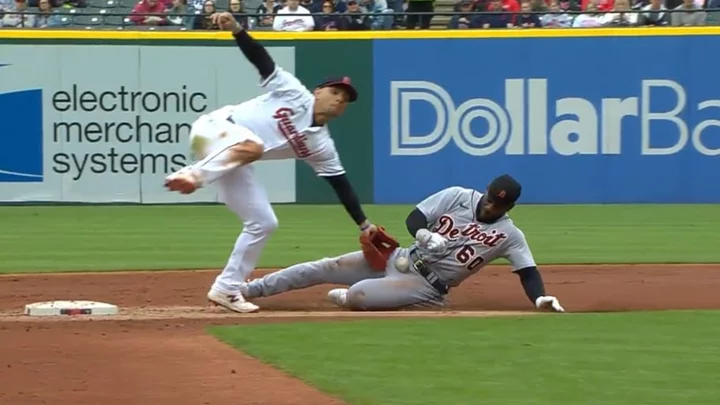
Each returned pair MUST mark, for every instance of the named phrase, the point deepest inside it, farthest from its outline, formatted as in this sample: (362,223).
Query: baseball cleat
(183,181)
(338,296)
(233,302)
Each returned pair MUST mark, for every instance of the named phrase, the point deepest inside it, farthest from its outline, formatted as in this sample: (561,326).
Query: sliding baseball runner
(457,232)
(287,122)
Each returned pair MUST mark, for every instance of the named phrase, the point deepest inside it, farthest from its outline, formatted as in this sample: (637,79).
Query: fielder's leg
(225,150)
(221,147)
(347,269)
(246,197)
(397,290)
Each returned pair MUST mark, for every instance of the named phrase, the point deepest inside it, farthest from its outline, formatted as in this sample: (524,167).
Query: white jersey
(283,119)
(298,20)
(471,245)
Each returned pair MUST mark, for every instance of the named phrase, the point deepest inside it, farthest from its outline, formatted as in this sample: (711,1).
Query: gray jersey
(471,245)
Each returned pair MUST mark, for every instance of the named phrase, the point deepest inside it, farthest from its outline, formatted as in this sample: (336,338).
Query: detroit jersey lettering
(471,245)
(282,118)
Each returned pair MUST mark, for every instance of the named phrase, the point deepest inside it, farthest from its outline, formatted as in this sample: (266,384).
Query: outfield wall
(578,115)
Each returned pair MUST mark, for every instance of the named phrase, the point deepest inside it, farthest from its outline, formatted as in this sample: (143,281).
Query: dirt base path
(156,350)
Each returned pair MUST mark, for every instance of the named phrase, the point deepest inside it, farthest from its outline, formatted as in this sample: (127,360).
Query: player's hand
(430,240)
(369,228)
(225,21)
(549,302)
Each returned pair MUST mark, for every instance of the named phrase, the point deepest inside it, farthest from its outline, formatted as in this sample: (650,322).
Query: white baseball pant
(239,190)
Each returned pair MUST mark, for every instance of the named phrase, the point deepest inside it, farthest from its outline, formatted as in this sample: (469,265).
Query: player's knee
(327,263)
(246,152)
(262,227)
(341,263)
(269,224)
(356,299)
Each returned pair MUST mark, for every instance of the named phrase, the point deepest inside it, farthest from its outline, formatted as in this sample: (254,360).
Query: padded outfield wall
(578,115)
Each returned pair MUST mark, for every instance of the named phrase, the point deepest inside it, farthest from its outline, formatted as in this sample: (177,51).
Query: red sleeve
(160,8)
(514,7)
(137,19)
(607,6)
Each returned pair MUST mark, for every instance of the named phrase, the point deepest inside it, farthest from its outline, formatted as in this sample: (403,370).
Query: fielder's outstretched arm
(347,196)
(254,52)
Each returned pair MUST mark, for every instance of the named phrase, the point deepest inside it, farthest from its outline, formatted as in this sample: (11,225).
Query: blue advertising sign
(575,120)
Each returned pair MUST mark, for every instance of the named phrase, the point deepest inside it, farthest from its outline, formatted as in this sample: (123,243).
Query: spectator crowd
(586,13)
(336,15)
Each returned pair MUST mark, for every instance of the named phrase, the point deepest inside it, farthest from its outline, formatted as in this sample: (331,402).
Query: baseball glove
(377,246)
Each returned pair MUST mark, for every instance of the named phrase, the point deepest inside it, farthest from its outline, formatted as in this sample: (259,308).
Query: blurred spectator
(569,5)
(354,18)
(58,3)
(398,7)
(591,18)
(71,3)
(266,13)
(419,6)
(287,18)
(47,16)
(602,5)
(329,20)
(501,20)
(4,6)
(378,22)
(340,6)
(688,13)
(513,7)
(654,14)
(196,5)
(525,19)
(539,5)
(713,17)
(148,7)
(236,8)
(619,17)
(556,17)
(181,14)
(317,5)
(462,21)
(15,17)
(203,21)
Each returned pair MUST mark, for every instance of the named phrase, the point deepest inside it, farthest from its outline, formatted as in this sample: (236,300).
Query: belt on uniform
(231,120)
(422,269)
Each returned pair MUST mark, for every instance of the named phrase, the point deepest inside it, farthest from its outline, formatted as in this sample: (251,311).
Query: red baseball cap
(343,82)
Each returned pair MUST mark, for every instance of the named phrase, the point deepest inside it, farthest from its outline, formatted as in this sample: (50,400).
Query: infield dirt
(156,351)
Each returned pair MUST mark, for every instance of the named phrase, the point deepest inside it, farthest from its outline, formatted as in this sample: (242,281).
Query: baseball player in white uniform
(287,122)
(457,232)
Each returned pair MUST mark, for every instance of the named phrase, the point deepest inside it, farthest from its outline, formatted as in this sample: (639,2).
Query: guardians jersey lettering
(283,118)
(471,245)
(297,141)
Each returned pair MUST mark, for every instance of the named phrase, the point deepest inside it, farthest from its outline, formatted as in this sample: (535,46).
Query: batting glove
(430,240)
(549,302)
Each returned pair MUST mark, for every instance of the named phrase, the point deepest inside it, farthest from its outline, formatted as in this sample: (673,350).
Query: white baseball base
(58,308)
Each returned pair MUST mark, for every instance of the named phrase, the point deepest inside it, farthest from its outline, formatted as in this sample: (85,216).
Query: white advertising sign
(108,123)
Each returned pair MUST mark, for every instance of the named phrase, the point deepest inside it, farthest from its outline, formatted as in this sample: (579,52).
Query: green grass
(590,359)
(76,238)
